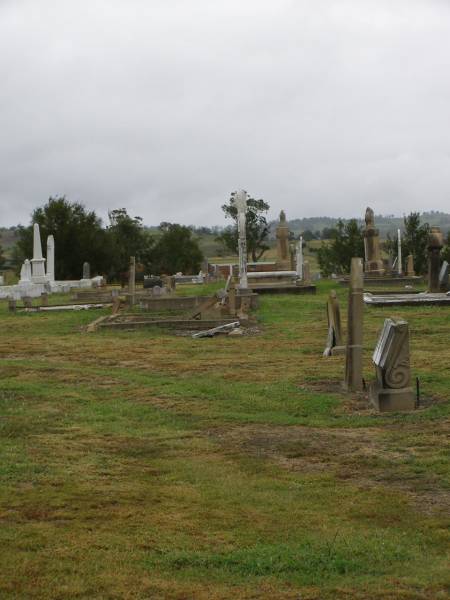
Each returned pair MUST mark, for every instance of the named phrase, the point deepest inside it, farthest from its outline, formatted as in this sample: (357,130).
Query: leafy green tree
(346,242)
(78,234)
(2,258)
(126,237)
(414,241)
(257,228)
(174,251)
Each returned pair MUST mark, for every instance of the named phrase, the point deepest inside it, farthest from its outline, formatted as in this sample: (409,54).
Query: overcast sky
(320,107)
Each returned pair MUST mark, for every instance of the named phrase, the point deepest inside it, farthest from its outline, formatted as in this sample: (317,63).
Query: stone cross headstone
(240,201)
(334,339)
(353,364)
(86,270)
(373,263)
(435,244)
(51,258)
(392,390)
(282,235)
(132,281)
(410,266)
(37,262)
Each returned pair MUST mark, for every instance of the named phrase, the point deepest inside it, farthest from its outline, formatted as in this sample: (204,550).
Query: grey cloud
(164,107)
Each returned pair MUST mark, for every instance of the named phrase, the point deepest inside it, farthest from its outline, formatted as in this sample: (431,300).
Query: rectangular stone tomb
(423,298)
(392,390)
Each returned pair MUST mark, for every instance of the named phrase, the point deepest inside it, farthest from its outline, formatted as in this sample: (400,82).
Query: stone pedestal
(282,234)
(392,390)
(373,264)
(435,244)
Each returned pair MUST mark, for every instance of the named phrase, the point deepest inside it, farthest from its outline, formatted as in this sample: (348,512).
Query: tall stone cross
(240,201)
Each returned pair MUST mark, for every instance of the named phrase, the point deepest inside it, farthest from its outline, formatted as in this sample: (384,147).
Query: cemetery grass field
(146,465)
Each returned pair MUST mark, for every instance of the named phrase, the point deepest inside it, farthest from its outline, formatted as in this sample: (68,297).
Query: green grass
(145,465)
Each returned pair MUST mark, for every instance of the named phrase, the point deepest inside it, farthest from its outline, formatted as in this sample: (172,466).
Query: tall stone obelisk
(51,258)
(37,262)
(240,201)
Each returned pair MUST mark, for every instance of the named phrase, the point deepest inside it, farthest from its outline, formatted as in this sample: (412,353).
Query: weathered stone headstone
(132,281)
(306,272)
(86,270)
(353,364)
(240,201)
(51,258)
(156,290)
(282,235)
(435,244)
(392,390)
(44,299)
(25,272)
(12,305)
(399,253)
(410,266)
(232,297)
(334,339)
(300,258)
(373,262)
(443,277)
(27,302)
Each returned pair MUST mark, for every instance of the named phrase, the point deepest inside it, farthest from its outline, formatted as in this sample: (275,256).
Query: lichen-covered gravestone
(392,390)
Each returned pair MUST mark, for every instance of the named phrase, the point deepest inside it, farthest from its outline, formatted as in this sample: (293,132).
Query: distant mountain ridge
(385,223)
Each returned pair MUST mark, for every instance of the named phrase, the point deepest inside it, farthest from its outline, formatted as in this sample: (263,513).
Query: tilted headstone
(392,390)
(353,361)
(334,339)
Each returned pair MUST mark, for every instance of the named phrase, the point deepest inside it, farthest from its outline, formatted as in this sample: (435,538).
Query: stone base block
(387,400)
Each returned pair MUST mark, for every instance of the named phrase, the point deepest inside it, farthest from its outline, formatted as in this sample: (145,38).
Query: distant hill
(386,224)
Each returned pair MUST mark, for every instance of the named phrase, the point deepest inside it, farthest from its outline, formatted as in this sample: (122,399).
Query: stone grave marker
(435,244)
(334,339)
(443,277)
(353,364)
(392,390)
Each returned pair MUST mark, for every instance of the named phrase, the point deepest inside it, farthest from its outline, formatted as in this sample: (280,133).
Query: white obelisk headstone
(51,258)
(37,262)
(240,201)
